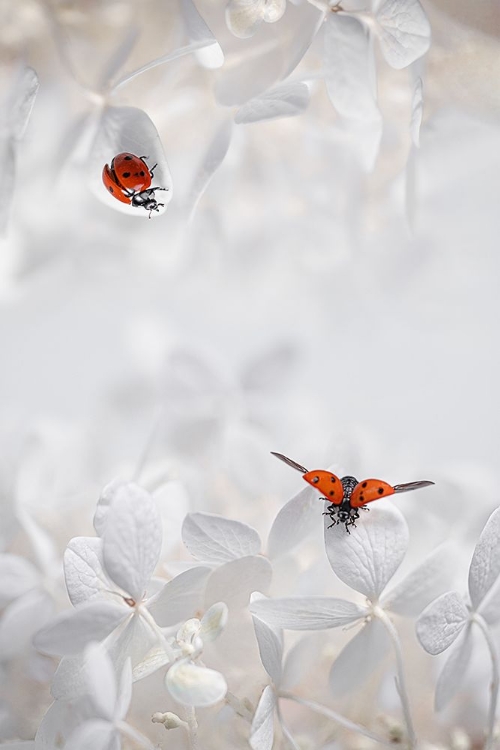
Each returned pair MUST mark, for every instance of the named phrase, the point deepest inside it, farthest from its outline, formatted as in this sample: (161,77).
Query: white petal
(20,621)
(57,725)
(132,540)
(211,54)
(118,57)
(273,10)
(404,31)
(213,622)
(69,681)
(216,539)
(124,691)
(233,582)
(262,729)
(101,681)
(485,565)
(450,679)
(93,735)
(244,16)
(17,576)
(442,622)
(417,109)
(128,129)
(270,644)
(70,631)
(83,570)
(359,658)
(306,613)
(155,659)
(300,660)
(286,100)
(349,68)
(294,522)
(179,598)
(133,641)
(367,558)
(426,582)
(214,156)
(191,685)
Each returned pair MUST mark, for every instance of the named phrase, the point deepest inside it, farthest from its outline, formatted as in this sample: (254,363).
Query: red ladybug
(128,179)
(346,496)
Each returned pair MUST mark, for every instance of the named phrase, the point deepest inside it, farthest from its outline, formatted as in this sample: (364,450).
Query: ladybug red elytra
(347,496)
(128,179)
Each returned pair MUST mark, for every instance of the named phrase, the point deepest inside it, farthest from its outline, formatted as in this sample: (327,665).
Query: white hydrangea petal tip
(367,558)
(128,129)
(270,645)
(192,685)
(262,729)
(287,100)
(404,31)
(215,539)
(243,17)
(307,613)
(442,622)
(213,622)
(294,522)
(83,570)
(485,565)
(132,540)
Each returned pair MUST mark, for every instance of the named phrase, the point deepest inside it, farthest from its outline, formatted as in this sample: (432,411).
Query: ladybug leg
(151,171)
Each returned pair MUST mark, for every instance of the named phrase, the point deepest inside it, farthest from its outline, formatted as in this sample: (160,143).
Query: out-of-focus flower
(449,619)
(244,17)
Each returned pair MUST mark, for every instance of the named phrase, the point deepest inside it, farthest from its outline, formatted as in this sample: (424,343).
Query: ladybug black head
(348,483)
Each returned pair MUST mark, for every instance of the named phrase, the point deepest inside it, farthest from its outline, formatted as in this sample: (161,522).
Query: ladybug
(347,496)
(128,179)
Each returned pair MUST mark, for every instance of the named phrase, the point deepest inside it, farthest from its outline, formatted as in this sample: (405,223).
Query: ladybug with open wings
(347,496)
(128,179)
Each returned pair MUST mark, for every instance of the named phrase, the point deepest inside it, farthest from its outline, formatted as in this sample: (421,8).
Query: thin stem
(338,718)
(238,706)
(400,681)
(495,678)
(192,728)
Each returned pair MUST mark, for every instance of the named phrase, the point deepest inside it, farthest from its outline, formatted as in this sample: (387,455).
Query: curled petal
(270,642)
(262,729)
(442,622)
(213,622)
(367,558)
(485,565)
(191,685)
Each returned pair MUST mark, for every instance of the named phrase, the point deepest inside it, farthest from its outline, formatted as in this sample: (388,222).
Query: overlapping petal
(485,565)
(307,613)
(442,622)
(215,539)
(192,685)
(262,729)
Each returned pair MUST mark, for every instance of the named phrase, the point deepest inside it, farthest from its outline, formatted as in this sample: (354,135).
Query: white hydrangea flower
(365,560)
(449,620)
(108,579)
(243,17)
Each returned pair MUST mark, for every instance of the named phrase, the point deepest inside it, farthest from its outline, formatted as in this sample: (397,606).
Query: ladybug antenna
(412,486)
(291,463)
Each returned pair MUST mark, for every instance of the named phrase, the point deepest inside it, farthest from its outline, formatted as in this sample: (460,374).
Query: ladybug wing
(111,184)
(327,483)
(131,171)
(369,490)
(412,486)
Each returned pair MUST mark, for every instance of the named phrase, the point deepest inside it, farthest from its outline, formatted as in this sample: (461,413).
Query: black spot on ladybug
(111,189)
(334,479)
(141,173)
(364,485)
(315,480)
(380,490)
(332,493)
(128,158)
(126,174)
(361,497)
